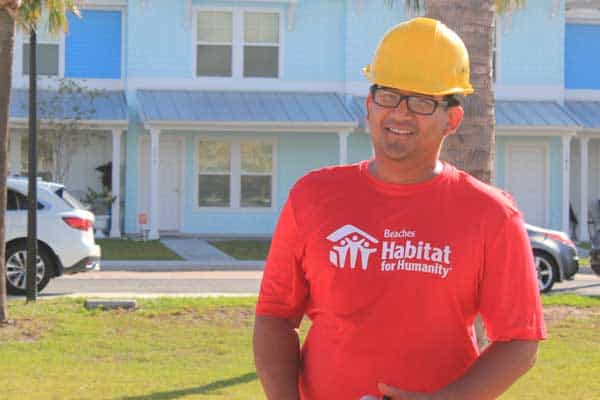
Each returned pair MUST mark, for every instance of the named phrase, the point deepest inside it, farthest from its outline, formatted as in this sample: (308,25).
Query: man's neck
(397,173)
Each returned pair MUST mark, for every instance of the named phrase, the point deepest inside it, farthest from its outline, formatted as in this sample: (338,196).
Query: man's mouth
(399,131)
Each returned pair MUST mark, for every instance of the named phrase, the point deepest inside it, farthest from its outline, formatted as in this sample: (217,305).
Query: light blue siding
(556,175)
(153,52)
(582,56)
(531,51)
(93,45)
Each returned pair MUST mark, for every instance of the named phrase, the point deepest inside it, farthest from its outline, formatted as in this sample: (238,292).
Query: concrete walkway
(197,254)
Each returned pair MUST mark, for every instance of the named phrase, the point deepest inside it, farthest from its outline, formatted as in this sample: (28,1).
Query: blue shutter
(93,45)
(582,56)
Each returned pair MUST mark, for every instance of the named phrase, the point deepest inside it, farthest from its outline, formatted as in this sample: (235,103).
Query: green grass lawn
(244,249)
(187,348)
(124,249)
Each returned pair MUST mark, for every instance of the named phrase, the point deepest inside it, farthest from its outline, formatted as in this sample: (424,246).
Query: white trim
(104,3)
(51,83)
(582,94)
(237,45)
(566,170)
(357,88)
(510,92)
(87,124)
(154,166)
(583,204)
(251,126)
(538,131)
(546,149)
(343,147)
(115,226)
(235,174)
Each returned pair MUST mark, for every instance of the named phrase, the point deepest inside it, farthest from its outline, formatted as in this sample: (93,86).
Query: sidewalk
(197,254)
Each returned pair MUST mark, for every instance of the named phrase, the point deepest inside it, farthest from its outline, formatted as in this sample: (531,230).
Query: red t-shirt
(392,277)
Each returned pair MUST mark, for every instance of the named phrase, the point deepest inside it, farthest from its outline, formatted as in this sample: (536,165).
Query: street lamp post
(31,281)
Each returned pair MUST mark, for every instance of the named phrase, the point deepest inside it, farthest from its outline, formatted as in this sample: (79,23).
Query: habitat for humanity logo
(353,242)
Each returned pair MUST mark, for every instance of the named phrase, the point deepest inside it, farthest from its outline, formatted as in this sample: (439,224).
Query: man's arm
(498,367)
(277,356)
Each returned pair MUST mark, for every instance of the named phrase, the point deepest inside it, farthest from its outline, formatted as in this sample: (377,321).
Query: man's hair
(452,99)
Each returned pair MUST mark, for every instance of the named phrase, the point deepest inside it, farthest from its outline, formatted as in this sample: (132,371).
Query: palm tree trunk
(472,148)
(7,41)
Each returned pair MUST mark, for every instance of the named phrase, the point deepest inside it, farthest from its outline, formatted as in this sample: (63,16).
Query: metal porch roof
(533,114)
(586,112)
(106,106)
(197,106)
(512,113)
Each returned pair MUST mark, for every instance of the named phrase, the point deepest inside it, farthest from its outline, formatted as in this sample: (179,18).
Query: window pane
(261,61)
(214,156)
(213,60)
(256,191)
(11,200)
(215,27)
(257,157)
(213,190)
(261,27)
(47,59)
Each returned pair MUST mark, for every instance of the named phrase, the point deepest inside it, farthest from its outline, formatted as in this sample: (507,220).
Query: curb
(171,266)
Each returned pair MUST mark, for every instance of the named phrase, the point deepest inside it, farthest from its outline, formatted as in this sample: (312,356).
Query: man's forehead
(409,93)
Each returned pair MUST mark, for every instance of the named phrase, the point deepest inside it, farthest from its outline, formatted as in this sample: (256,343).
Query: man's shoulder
(484,195)
(333,177)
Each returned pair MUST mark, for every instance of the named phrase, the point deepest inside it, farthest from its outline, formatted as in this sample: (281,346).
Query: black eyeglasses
(416,104)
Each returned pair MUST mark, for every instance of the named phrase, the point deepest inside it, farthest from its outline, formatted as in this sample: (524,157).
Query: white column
(583,202)
(154,165)
(115,225)
(14,166)
(566,160)
(343,137)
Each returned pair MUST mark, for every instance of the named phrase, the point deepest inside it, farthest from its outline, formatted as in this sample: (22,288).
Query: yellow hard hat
(423,56)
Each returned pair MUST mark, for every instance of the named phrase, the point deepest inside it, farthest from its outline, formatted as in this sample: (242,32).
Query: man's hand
(393,393)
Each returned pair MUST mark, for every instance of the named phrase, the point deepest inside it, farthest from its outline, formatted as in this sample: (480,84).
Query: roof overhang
(252,126)
(23,123)
(541,131)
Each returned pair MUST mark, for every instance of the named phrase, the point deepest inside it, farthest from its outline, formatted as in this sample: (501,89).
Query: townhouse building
(213,108)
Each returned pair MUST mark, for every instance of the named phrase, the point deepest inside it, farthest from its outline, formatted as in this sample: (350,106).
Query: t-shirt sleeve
(284,288)
(509,295)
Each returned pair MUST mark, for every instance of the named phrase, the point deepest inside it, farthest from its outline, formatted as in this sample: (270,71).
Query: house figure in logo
(351,241)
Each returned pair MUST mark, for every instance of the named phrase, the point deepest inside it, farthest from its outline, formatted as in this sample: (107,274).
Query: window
(237,43)
(214,53)
(48,51)
(17,201)
(235,174)
(261,45)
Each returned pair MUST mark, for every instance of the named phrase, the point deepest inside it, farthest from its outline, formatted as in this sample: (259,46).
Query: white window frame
(235,174)
(237,56)
(22,39)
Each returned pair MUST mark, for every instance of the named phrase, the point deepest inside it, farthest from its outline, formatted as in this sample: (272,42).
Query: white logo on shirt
(350,240)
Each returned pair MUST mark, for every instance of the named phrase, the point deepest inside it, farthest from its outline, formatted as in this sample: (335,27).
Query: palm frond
(31,11)
(415,6)
(503,6)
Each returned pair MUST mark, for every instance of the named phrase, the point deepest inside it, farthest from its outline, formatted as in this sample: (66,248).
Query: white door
(527,180)
(169,182)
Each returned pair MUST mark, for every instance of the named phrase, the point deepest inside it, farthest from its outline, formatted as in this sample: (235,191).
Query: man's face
(401,135)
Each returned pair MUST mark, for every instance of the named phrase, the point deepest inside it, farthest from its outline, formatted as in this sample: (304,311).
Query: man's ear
(455,117)
(368,103)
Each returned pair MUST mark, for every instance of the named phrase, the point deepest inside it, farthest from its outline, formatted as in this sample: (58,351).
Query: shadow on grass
(175,394)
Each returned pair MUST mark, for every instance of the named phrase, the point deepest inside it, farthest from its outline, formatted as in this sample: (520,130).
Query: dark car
(555,256)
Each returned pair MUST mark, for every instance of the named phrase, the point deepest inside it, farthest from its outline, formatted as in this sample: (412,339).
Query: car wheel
(547,272)
(16,268)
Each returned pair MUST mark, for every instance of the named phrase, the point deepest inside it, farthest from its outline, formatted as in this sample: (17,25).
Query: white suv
(64,230)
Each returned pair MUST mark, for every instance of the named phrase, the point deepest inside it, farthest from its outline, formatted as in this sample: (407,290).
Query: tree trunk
(472,147)
(7,41)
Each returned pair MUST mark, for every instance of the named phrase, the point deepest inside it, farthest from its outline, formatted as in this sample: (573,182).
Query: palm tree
(25,13)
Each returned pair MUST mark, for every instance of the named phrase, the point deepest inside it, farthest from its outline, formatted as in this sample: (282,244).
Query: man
(392,259)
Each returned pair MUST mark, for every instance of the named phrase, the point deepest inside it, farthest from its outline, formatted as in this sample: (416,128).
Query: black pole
(31,281)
